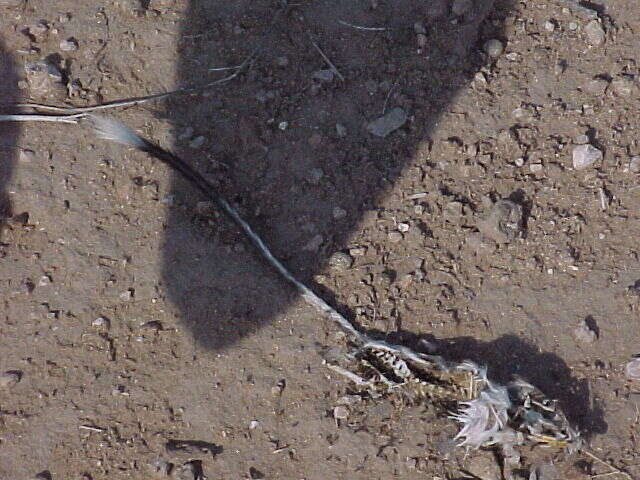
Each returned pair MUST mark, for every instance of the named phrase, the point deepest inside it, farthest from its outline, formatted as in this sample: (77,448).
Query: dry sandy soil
(139,317)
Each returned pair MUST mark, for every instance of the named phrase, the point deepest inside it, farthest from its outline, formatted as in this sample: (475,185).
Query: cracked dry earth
(143,338)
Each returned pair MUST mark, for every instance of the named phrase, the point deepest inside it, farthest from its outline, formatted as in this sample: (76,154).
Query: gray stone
(314,244)
(325,75)
(585,156)
(634,164)
(69,45)
(10,379)
(197,142)
(383,126)
(493,47)
(596,86)
(594,33)
(632,369)
(340,261)
(314,176)
(622,87)
(503,223)
(583,333)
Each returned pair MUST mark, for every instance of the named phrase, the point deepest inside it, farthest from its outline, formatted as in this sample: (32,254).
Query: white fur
(115,131)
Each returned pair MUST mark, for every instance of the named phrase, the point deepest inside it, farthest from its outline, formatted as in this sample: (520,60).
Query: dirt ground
(138,317)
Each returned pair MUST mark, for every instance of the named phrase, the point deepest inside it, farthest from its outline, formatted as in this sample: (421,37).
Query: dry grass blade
(614,470)
(360,27)
(333,68)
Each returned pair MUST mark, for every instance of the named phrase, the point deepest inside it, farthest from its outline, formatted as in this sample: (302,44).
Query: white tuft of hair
(115,131)
(484,419)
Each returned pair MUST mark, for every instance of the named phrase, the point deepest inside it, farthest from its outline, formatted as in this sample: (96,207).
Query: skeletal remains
(489,414)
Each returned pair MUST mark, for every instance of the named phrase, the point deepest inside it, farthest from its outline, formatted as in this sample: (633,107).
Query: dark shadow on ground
(269,169)
(9,134)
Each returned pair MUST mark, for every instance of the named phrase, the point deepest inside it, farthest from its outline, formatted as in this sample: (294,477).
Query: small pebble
(493,48)
(503,223)
(594,33)
(69,45)
(341,130)
(383,126)
(403,227)
(349,400)
(358,252)
(395,237)
(581,140)
(340,412)
(583,333)
(632,369)
(519,162)
(188,471)
(536,167)
(44,281)
(27,156)
(325,75)
(125,296)
(197,142)
(339,213)
(549,26)
(622,87)
(597,86)
(314,244)
(10,379)
(161,467)
(186,134)
(453,210)
(483,465)
(419,28)
(253,424)
(314,176)
(38,31)
(634,164)
(340,261)
(283,125)
(573,26)
(585,156)
(100,322)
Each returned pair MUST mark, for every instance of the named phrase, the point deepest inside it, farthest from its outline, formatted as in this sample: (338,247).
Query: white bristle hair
(483,420)
(114,130)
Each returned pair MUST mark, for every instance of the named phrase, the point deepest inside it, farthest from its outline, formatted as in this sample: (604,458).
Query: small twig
(41,118)
(614,470)
(605,474)
(90,428)
(129,102)
(326,59)
(604,201)
(220,69)
(358,380)
(386,100)
(360,27)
